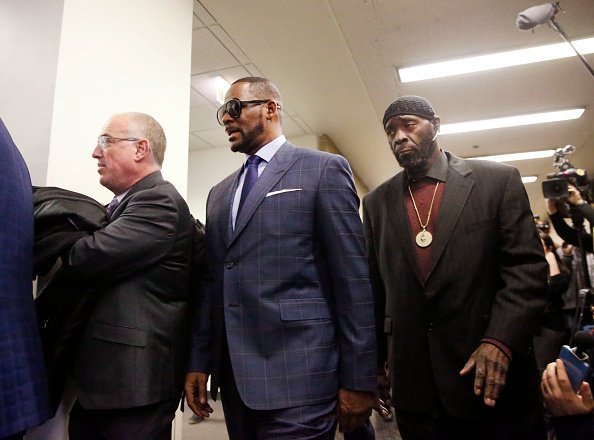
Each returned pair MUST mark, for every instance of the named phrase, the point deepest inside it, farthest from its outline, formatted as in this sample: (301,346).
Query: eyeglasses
(234,106)
(104,141)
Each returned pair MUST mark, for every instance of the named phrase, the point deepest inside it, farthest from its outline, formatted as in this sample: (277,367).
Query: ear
(142,150)
(436,123)
(272,109)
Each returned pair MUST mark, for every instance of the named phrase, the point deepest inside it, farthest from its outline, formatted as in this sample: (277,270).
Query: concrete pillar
(67,65)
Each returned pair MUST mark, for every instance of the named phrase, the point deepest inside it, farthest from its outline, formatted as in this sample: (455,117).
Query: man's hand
(195,388)
(574,197)
(354,408)
(551,205)
(491,366)
(558,395)
(383,398)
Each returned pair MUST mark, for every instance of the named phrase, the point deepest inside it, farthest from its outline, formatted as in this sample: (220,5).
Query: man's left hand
(491,366)
(354,408)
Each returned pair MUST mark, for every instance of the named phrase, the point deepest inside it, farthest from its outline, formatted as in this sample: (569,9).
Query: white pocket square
(273,193)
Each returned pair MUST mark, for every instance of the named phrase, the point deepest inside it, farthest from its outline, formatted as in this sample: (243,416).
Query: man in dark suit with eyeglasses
(130,365)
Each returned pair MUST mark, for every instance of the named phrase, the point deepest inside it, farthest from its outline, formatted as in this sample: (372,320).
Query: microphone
(536,15)
(583,340)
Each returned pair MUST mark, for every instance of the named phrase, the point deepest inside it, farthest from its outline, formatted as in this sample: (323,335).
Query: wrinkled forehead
(399,120)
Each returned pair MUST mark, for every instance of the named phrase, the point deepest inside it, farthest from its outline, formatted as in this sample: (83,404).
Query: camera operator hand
(574,197)
(551,205)
(558,395)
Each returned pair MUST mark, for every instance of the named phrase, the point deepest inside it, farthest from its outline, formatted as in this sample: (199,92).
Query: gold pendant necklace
(423,238)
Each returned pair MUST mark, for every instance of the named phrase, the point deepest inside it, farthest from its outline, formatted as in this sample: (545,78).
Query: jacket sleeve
(140,237)
(340,232)
(521,297)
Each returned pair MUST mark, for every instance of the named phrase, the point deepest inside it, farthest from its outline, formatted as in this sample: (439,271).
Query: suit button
(229,264)
(430,326)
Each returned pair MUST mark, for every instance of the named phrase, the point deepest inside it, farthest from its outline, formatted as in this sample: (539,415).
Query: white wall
(117,56)
(29,42)
(206,168)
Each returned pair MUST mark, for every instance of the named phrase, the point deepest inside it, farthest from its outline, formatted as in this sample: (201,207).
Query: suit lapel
(396,207)
(275,169)
(227,209)
(146,182)
(457,191)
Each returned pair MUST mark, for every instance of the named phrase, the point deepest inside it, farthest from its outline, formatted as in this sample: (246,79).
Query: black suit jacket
(487,278)
(134,347)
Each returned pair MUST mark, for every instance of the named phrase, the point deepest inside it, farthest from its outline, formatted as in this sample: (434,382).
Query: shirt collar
(122,195)
(270,149)
(439,169)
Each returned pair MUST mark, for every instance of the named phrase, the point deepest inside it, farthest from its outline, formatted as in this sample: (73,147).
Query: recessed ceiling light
(513,157)
(495,61)
(511,121)
(529,179)
(222,85)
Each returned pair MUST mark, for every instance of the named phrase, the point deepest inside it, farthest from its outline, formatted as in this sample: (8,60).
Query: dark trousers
(313,422)
(18,436)
(438,425)
(364,432)
(151,422)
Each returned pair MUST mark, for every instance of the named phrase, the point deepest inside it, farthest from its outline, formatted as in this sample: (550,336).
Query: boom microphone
(536,15)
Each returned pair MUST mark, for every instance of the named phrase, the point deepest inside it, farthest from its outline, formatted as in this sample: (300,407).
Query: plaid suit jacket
(290,284)
(24,398)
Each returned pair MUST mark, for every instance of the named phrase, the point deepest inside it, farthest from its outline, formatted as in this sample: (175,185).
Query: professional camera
(555,187)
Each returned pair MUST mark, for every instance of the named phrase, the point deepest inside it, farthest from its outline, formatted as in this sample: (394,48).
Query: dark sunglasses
(234,106)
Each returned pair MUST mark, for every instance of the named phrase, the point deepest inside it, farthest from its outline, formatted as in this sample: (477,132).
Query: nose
(399,137)
(226,117)
(97,152)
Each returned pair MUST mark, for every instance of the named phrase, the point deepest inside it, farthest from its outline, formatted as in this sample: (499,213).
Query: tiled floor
(213,428)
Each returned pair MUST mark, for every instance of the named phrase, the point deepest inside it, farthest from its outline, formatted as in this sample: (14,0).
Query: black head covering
(410,105)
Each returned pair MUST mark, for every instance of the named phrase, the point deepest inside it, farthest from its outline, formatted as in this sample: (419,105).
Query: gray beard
(417,160)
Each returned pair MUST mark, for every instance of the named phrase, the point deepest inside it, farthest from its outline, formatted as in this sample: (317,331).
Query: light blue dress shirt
(265,153)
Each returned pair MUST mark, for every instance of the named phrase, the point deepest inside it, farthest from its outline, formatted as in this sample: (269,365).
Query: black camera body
(555,187)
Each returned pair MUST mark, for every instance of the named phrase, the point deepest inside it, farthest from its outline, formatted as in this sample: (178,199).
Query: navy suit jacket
(24,398)
(487,278)
(289,285)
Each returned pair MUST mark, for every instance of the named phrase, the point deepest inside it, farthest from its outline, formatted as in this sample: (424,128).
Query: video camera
(555,187)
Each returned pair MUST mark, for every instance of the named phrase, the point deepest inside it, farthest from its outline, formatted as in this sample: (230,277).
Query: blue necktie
(251,175)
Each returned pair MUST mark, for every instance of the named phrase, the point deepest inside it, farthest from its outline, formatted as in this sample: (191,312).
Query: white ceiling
(334,60)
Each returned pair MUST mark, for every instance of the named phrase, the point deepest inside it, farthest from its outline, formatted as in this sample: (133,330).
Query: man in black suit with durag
(130,365)
(459,279)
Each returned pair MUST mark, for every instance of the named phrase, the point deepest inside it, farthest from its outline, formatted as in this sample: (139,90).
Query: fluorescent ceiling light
(511,121)
(222,85)
(513,157)
(528,179)
(495,61)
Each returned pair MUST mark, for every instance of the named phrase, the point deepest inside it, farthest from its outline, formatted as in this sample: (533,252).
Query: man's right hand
(195,388)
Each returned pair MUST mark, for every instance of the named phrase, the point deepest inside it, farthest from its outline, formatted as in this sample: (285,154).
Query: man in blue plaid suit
(24,400)
(287,330)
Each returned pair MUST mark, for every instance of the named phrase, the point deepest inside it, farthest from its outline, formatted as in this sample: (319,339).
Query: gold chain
(423,226)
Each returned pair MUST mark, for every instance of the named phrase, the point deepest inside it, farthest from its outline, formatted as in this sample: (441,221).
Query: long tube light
(495,61)
(221,87)
(511,121)
(513,157)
